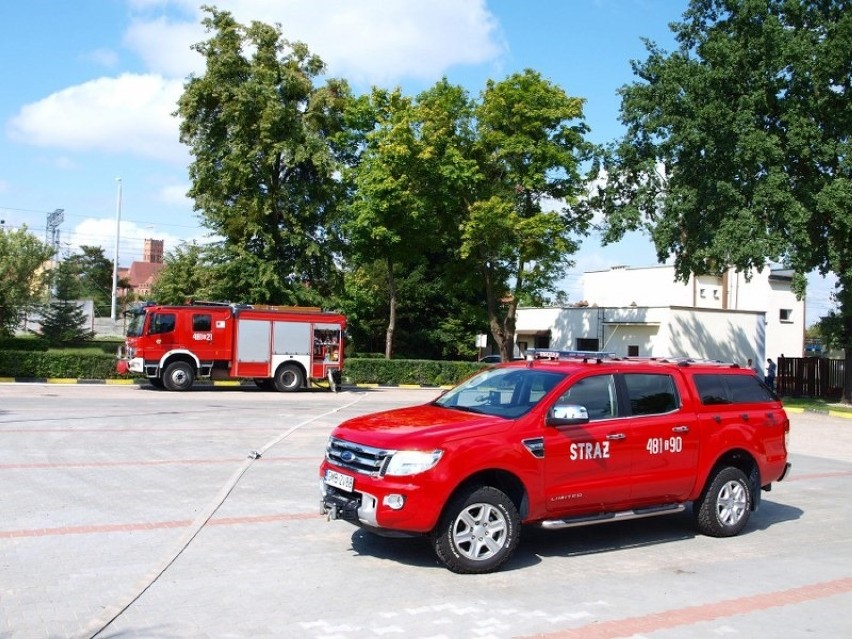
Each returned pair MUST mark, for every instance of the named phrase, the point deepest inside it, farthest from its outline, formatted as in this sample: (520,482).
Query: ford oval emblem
(348,456)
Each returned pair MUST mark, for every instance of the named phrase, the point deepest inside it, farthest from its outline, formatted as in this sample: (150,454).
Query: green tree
(387,213)
(187,274)
(22,276)
(409,191)
(737,150)
(521,231)
(266,145)
(63,322)
(93,271)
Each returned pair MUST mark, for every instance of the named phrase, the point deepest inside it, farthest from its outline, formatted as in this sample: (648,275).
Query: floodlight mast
(112,313)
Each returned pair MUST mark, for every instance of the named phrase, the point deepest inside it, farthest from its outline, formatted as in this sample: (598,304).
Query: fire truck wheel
(178,376)
(478,531)
(724,507)
(289,378)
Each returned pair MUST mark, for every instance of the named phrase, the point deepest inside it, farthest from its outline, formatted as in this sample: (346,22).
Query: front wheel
(289,378)
(724,507)
(178,376)
(478,532)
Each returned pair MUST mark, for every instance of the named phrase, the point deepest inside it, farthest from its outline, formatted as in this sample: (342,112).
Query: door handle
(680,429)
(617,436)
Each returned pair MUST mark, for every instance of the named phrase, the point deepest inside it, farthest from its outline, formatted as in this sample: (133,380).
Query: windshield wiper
(465,409)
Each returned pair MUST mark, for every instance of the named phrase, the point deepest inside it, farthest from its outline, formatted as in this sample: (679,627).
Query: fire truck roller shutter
(291,338)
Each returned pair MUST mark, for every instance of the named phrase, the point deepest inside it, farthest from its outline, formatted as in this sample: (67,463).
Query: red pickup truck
(562,439)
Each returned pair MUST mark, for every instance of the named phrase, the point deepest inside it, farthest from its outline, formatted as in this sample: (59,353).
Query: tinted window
(711,389)
(596,393)
(727,389)
(650,393)
(201,323)
(745,389)
(162,323)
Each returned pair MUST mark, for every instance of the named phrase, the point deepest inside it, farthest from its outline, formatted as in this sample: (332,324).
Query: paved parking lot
(130,512)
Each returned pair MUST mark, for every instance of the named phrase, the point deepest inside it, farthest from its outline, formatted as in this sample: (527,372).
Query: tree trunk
(493,308)
(391,310)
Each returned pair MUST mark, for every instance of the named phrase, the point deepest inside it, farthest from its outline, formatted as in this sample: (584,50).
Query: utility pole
(112,313)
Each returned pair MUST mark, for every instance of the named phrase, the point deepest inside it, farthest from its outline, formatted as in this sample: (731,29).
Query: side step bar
(624,515)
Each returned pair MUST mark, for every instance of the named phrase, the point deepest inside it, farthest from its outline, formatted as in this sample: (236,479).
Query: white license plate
(339,480)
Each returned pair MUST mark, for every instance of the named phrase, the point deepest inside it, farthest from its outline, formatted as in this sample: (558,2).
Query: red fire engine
(281,348)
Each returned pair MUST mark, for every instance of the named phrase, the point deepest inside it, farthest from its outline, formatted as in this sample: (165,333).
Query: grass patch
(821,405)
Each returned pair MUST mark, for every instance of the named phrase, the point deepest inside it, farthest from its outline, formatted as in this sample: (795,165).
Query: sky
(90,88)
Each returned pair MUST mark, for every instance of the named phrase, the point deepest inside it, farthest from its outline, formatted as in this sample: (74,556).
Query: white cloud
(104,57)
(365,41)
(175,194)
(128,114)
(164,45)
(132,236)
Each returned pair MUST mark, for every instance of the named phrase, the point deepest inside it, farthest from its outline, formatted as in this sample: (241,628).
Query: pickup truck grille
(362,459)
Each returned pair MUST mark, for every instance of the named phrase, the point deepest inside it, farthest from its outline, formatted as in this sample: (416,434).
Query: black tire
(724,507)
(289,378)
(179,376)
(156,382)
(478,531)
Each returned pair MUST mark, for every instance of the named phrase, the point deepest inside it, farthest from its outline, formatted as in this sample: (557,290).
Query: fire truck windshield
(135,324)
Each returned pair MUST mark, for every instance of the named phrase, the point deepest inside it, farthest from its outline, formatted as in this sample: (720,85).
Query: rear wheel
(725,505)
(179,376)
(478,532)
(289,378)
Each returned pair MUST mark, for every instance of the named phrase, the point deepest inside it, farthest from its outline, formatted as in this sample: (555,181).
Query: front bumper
(366,506)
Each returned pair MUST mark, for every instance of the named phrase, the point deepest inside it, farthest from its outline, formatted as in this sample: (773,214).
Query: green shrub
(89,363)
(75,364)
(20,343)
(407,371)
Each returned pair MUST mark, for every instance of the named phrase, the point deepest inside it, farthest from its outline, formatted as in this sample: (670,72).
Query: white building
(643,312)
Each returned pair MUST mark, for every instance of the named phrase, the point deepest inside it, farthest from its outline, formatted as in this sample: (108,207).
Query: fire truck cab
(282,348)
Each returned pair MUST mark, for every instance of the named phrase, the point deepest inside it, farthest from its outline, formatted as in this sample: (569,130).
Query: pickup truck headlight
(411,462)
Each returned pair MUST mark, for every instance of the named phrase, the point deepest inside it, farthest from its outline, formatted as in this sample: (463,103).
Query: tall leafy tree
(93,273)
(266,144)
(520,232)
(22,274)
(408,195)
(737,150)
(187,274)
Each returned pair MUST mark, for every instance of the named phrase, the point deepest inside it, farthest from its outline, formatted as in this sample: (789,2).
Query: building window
(633,351)
(587,344)
(785,314)
(542,341)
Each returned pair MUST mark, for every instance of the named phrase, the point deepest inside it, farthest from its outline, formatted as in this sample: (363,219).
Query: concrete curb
(201,382)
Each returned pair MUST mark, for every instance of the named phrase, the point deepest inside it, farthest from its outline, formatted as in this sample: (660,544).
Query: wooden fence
(810,377)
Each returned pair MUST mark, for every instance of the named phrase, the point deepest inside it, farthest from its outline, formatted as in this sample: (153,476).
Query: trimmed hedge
(61,364)
(89,364)
(394,372)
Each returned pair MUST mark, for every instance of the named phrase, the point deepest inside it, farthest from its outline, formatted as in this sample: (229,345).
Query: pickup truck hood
(419,426)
